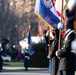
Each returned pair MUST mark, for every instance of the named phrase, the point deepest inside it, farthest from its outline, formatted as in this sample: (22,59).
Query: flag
(29,38)
(45,10)
(58,7)
(31,47)
(31,50)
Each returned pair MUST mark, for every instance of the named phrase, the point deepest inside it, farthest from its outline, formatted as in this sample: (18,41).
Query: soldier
(54,48)
(26,59)
(67,56)
(48,36)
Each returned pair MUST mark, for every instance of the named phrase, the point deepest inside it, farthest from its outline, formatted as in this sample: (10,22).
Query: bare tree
(14,15)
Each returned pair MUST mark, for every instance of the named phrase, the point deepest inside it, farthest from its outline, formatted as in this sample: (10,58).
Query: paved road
(29,72)
(24,73)
(21,71)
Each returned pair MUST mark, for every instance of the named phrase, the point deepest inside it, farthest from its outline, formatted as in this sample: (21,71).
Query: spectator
(19,57)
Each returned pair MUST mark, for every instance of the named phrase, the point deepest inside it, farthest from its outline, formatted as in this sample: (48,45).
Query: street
(21,71)
(24,73)
(32,71)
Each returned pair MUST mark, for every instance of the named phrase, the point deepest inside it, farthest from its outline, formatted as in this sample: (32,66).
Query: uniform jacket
(54,48)
(67,58)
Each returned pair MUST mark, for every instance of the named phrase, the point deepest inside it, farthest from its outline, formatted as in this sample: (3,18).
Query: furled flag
(31,47)
(29,38)
(45,10)
(31,50)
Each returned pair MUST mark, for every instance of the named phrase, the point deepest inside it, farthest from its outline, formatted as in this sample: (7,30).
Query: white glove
(60,25)
(56,53)
(48,57)
(47,33)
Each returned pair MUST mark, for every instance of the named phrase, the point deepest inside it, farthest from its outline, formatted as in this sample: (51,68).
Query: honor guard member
(26,59)
(54,48)
(49,42)
(67,57)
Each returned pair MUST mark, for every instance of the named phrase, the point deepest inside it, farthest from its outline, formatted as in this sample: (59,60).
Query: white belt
(27,57)
(73,50)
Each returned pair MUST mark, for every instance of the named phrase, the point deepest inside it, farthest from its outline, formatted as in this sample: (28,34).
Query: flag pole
(60,28)
(49,33)
(49,41)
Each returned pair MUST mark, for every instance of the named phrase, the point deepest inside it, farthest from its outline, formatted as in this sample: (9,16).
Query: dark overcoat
(55,60)
(67,58)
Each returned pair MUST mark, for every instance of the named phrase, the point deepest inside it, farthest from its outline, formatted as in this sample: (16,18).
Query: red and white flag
(58,7)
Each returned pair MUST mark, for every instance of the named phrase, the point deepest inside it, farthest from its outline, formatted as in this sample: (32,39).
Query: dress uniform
(67,57)
(54,48)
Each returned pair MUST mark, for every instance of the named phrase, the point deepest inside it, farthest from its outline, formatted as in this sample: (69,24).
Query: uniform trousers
(67,72)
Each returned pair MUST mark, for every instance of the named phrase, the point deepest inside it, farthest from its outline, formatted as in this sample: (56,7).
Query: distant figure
(19,55)
(26,59)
